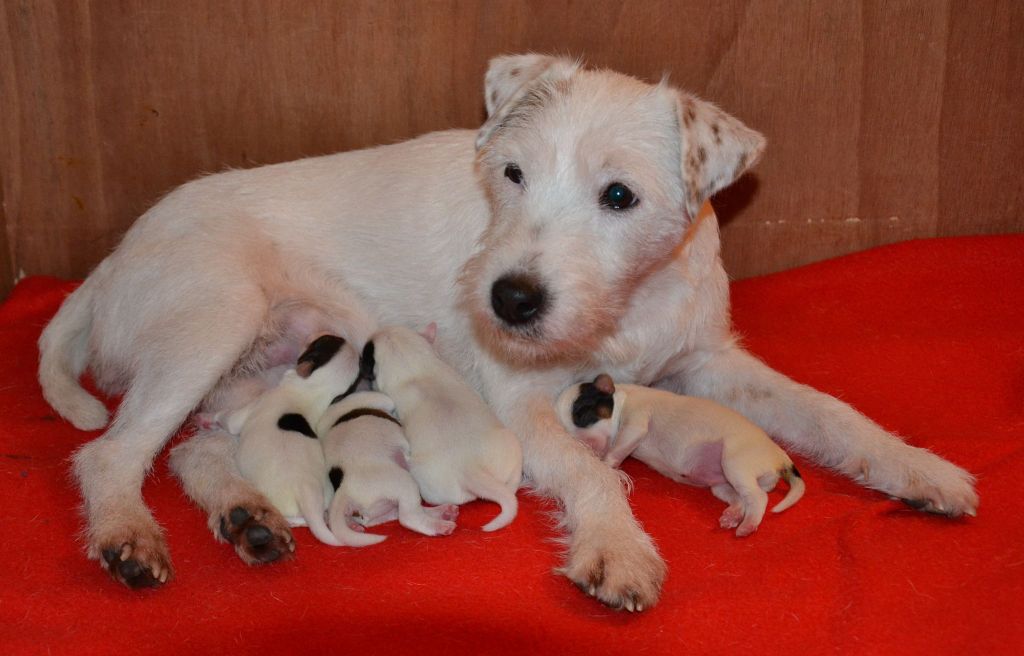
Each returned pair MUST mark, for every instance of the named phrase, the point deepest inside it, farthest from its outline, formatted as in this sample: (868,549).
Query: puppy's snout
(518,299)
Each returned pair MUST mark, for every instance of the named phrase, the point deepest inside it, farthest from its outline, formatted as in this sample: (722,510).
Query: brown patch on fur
(689,113)
(717,132)
(757,393)
(702,155)
(514,72)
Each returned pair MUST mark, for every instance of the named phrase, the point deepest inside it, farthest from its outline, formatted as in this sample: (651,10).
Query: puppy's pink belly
(702,466)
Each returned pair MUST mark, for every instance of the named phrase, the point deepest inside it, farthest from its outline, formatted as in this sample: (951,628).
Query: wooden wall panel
(885,120)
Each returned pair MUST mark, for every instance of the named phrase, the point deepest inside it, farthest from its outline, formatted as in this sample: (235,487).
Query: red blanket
(926,337)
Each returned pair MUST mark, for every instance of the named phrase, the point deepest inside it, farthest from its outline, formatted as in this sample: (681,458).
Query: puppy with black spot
(458,448)
(366,453)
(278,450)
(688,439)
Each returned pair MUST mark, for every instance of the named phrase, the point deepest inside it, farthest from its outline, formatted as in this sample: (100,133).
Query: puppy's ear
(430,332)
(604,384)
(368,362)
(716,149)
(510,78)
(304,368)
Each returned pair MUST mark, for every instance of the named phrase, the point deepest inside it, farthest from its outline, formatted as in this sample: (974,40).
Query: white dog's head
(593,178)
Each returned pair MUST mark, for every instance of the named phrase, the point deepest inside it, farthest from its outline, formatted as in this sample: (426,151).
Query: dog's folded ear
(510,78)
(716,149)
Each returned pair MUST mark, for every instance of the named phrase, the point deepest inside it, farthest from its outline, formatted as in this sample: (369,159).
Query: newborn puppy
(458,449)
(365,450)
(277,448)
(690,440)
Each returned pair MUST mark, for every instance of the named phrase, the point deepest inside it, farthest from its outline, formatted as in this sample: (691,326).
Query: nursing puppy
(569,235)
(690,440)
(366,453)
(458,449)
(278,450)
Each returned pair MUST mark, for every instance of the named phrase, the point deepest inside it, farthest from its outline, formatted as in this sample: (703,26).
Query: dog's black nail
(258,535)
(269,556)
(224,533)
(111,556)
(916,504)
(238,515)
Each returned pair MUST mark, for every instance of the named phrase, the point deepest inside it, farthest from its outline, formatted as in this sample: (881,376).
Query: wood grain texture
(885,121)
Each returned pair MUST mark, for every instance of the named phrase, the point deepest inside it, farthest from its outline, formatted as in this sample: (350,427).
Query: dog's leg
(733,515)
(827,430)
(121,533)
(610,557)
(237,512)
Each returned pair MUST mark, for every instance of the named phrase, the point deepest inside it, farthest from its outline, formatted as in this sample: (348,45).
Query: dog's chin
(538,345)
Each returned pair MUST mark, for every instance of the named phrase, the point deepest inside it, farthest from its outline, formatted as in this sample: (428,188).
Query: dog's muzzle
(518,300)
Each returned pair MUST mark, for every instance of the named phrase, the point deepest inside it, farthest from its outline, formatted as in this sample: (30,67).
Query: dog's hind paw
(137,559)
(620,569)
(258,532)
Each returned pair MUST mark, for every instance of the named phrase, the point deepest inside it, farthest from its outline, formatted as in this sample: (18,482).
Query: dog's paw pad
(259,533)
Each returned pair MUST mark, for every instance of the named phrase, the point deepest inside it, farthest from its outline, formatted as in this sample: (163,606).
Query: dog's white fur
(375,487)
(692,441)
(417,231)
(458,449)
(286,466)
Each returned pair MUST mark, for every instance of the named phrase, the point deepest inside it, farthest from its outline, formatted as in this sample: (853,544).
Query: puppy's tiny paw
(731,517)
(258,532)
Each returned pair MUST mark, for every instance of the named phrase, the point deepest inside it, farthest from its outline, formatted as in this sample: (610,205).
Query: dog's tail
(311,506)
(796,488)
(348,536)
(487,487)
(64,355)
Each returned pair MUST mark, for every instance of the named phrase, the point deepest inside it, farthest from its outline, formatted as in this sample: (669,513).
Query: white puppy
(278,450)
(690,440)
(458,449)
(366,453)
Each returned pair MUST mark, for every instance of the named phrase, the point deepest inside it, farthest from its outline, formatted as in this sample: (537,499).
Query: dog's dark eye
(514,173)
(618,196)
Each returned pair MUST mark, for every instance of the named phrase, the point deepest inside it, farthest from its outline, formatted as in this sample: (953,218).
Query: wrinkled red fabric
(926,337)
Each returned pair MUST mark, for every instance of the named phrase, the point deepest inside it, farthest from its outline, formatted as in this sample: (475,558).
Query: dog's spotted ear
(510,78)
(716,149)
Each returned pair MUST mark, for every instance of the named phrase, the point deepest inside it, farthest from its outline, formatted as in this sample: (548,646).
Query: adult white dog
(565,238)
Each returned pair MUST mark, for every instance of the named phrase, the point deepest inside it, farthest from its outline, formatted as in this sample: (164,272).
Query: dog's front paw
(136,557)
(259,533)
(620,567)
(923,481)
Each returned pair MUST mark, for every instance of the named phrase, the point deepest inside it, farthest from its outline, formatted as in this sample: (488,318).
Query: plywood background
(885,121)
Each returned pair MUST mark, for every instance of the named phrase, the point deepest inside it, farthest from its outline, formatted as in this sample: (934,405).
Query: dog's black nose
(518,299)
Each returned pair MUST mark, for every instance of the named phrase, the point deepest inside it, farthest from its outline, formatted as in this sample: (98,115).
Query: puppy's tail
(311,506)
(64,355)
(488,488)
(796,488)
(346,534)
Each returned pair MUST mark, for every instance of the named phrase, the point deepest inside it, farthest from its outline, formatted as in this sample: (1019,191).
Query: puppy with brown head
(690,440)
